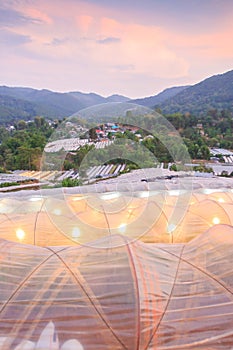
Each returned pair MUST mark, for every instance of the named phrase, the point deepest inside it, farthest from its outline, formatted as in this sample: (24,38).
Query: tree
(9,162)
(205,152)
(24,158)
(92,134)
(21,125)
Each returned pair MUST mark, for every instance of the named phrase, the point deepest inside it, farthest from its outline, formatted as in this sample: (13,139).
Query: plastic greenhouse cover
(53,218)
(127,296)
(76,273)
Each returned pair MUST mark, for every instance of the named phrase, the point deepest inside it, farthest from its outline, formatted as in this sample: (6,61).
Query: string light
(57,211)
(216,221)
(171,228)
(35,199)
(76,232)
(221,200)
(20,234)
(122,228)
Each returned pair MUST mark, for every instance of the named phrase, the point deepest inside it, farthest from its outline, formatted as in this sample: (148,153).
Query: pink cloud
(142,46)
(84,23)
(110,27)
(39,15)
(102,46)
(212,44)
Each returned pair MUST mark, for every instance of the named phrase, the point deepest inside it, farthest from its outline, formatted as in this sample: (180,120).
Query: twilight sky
(131,47)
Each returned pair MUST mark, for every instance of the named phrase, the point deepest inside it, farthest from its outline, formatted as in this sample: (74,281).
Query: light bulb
(20,234)
(76,232)
(122,228)
(221,200)
(216,221)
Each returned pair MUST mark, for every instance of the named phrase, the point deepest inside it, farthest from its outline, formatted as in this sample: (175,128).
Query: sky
(131,47)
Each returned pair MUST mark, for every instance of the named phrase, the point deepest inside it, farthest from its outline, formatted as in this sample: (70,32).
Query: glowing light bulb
(35,199)
(144,194)
(57,211)
(174,193)
(208,191)
(20,234)
(216,221)
(122,228)
(76,232)
(221,200)
(171,228)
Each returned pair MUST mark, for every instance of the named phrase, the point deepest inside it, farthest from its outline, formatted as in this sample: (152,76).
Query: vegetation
(203,169)
(159,98)
(25,103)
(7,184)
(73,160)
(213,93)
(70,182)
(22,147)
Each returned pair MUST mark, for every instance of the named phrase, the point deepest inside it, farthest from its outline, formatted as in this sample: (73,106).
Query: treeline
(21,147)
(198,134)
(213,130)
(157,140)
(212,93)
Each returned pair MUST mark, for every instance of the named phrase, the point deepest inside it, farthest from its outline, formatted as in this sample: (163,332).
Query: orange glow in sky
(131,48)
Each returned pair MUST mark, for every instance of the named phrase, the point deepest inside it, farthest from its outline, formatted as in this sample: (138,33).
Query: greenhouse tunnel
(81,274)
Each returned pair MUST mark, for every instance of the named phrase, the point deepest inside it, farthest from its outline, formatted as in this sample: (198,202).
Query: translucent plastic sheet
(72,219)
(83,271)
(132,296)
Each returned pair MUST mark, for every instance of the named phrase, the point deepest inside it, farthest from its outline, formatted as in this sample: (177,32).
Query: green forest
(22,146)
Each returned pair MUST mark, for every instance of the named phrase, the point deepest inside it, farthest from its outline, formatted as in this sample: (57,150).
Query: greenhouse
(107,268)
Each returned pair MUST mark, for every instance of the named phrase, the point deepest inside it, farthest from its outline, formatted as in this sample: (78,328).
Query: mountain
(159,98)
(215,92)
(117,98)
(26,103)
(12,108)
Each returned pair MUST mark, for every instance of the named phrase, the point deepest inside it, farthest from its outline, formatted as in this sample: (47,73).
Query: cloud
(124,67)
(108,40)
(9,38)
(192,14)
(84,22)
(13,18)
(38,15)
(142,47)
(206,45)
(126,44)
(58,41)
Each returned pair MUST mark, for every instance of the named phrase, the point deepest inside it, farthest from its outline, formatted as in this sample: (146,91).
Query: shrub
(70,182)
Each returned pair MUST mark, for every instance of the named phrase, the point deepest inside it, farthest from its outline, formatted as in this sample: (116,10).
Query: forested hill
(215,92)
(26,103)
(154,100)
